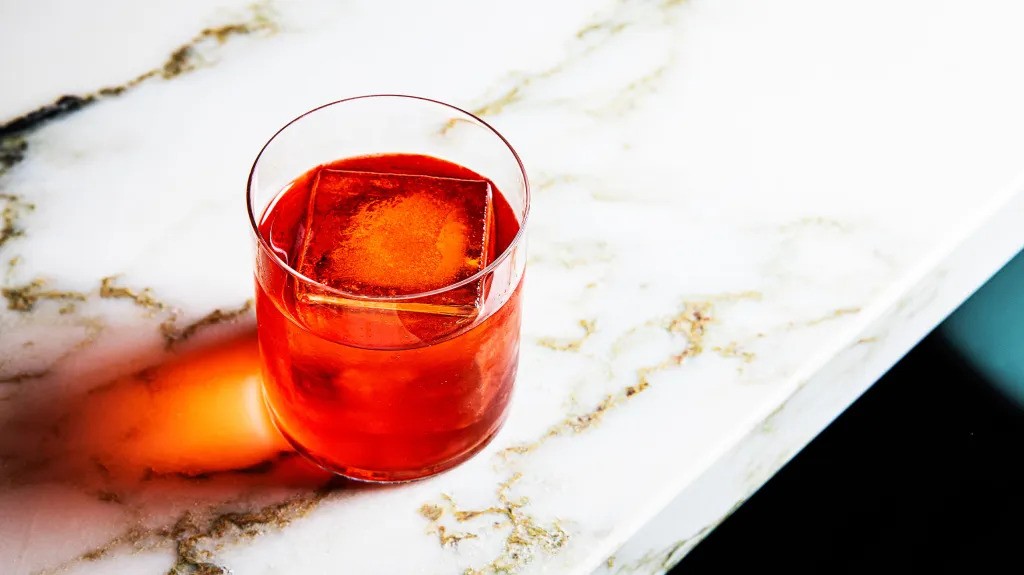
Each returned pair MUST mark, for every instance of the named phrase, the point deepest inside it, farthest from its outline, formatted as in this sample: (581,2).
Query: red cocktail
(388,284)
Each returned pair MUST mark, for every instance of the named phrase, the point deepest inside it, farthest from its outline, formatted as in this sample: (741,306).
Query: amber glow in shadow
(198,413)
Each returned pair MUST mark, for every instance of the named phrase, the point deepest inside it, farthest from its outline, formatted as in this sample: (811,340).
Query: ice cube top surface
(381,234)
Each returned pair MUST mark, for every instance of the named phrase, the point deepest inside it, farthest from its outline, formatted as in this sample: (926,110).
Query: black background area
(922,474)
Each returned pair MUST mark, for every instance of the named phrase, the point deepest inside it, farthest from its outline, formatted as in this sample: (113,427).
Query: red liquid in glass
(382,391)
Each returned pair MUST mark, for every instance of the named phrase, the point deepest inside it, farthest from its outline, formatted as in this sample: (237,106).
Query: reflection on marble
(743,213)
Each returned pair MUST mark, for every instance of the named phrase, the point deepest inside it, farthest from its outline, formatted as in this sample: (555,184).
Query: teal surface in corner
(988,330)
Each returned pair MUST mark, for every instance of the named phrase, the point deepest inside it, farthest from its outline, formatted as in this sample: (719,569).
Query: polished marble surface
(743,213)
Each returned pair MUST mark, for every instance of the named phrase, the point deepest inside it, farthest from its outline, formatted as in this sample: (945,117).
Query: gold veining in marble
(12,264)
(607,27)
(196,540)
(22,376)
(195,537)
(629,96)
(655,561)
(589,328)
(14,208)
(189,56)
(143,298)
(767,424)
(93,328)
(23,298)
(661,560)
(584,42)
(13,145)
(691,322)
(834,314)
(450,539)
(173,334)
(525,538)
(733,349)
(431,512)
(133,536)
(186,58)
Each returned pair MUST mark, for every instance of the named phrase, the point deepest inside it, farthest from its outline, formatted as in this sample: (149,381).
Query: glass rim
(489,268)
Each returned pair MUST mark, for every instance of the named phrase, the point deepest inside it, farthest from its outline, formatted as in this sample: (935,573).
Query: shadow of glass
(179,457)
(199,415)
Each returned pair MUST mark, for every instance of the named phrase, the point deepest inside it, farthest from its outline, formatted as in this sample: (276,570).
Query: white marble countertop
(744,212)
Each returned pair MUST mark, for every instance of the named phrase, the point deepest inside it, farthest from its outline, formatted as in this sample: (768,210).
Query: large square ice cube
(380,234)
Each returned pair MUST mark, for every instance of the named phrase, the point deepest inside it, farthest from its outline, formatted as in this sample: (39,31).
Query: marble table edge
(916,304)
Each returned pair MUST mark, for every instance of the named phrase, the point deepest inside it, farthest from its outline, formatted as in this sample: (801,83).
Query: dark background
(923,474)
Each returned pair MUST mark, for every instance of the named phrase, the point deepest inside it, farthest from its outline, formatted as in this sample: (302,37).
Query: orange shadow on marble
(198,415)
(201,412)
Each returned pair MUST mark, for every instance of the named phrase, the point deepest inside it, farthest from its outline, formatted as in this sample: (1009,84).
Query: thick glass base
(389,475)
